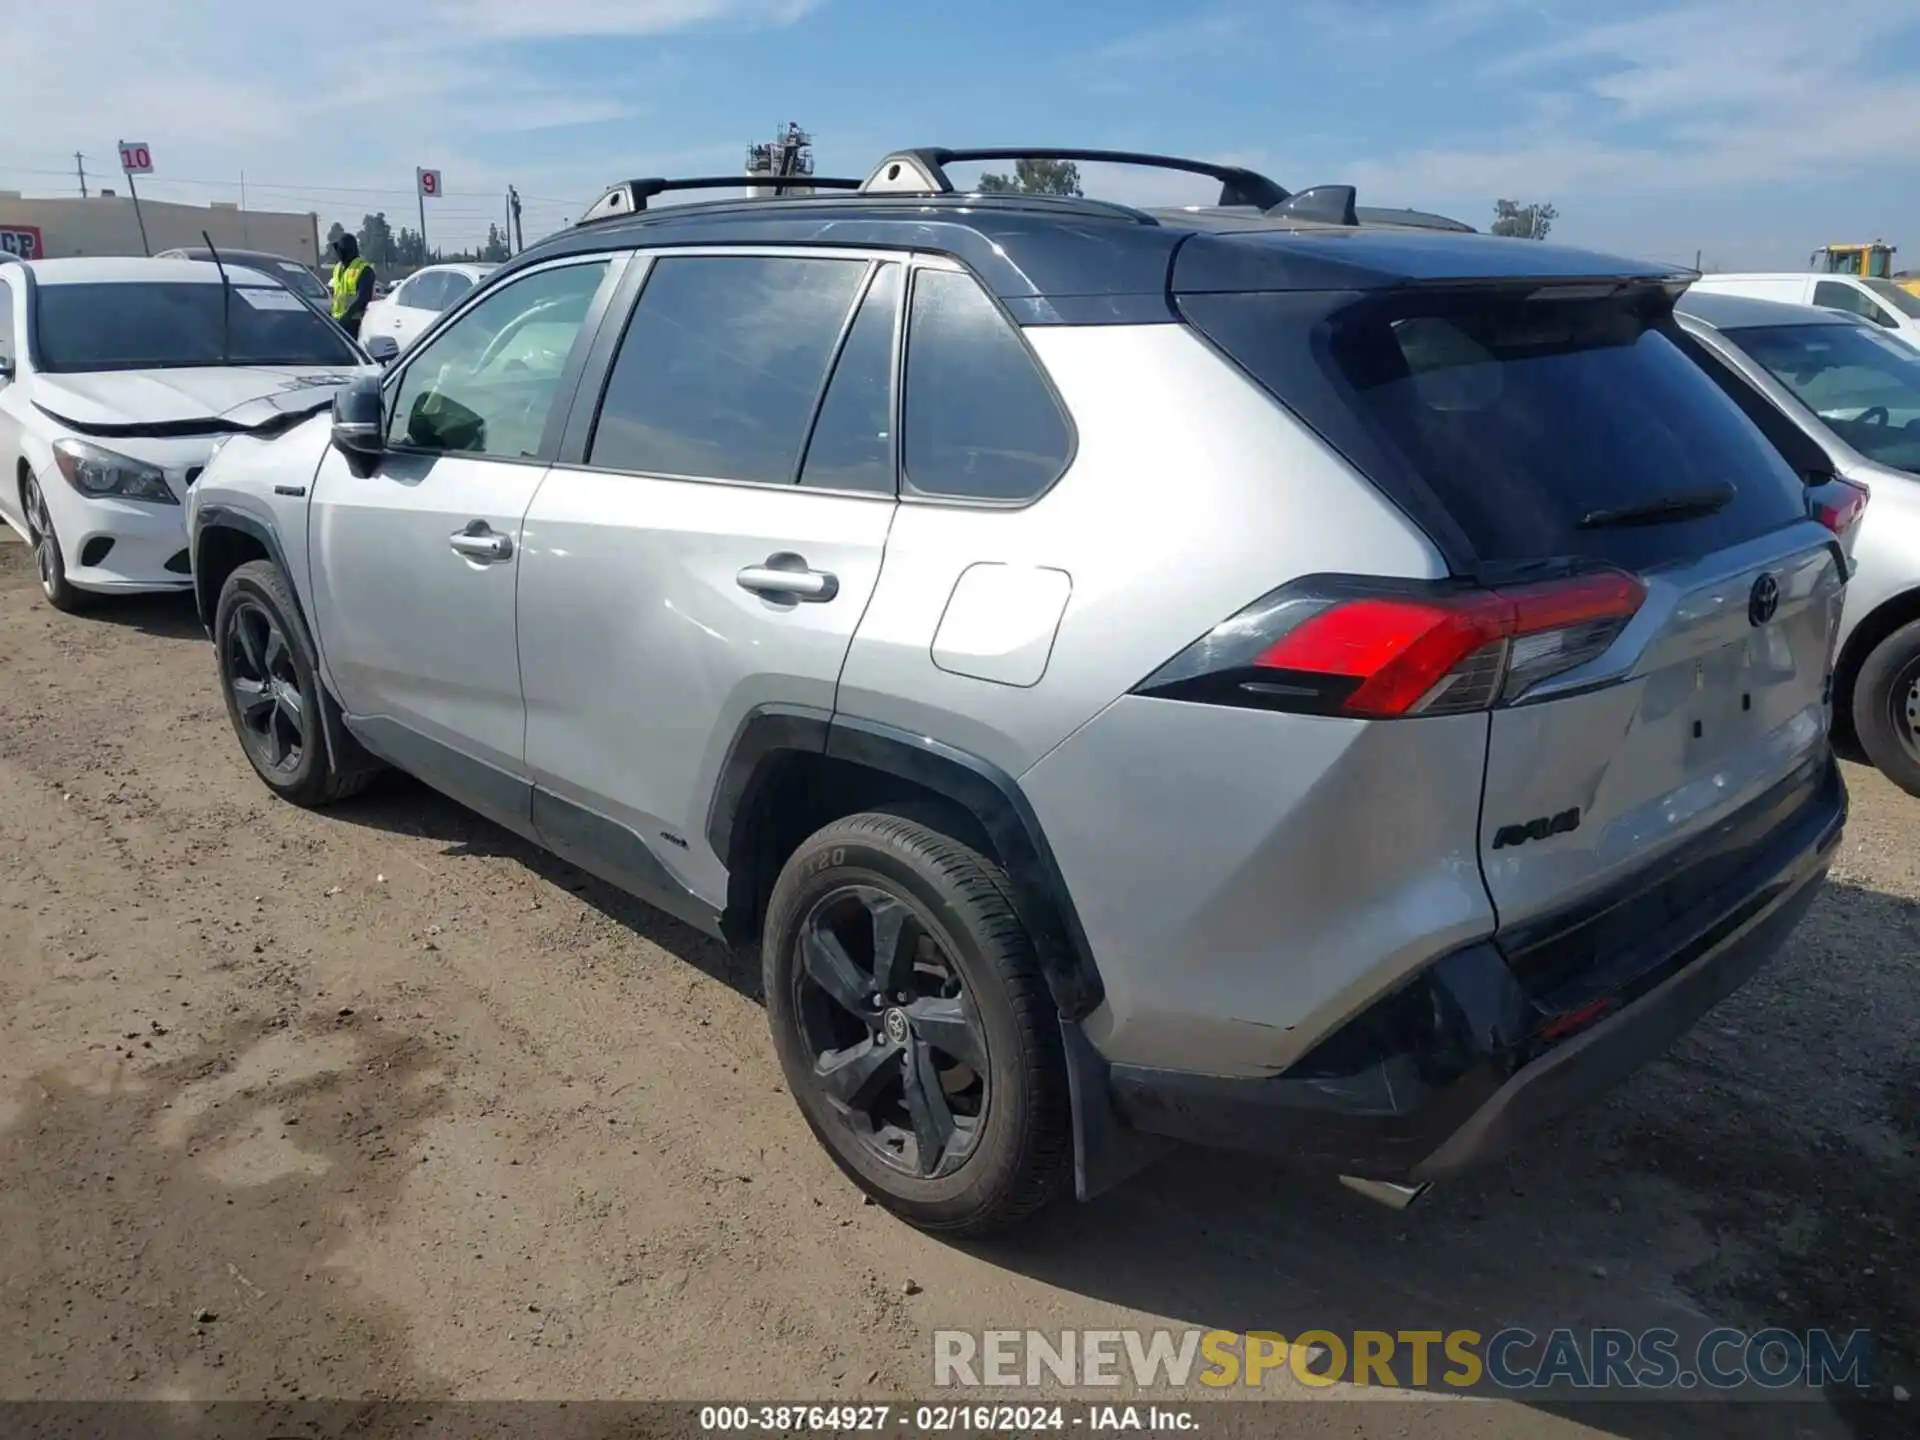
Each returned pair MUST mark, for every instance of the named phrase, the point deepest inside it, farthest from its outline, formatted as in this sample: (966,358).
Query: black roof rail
(924,171)
(630,197)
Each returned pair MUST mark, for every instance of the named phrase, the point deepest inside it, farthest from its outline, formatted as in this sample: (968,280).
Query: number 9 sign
(429,183)
(135,157)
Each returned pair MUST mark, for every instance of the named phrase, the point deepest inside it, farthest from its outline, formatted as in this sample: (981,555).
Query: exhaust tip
(1385,1192)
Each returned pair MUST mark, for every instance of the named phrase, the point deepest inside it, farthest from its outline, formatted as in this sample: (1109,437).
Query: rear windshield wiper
(1685,505)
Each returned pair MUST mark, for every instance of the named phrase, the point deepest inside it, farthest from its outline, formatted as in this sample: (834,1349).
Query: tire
(1010,1149)
(1886,707)
(279,709)
(60,592)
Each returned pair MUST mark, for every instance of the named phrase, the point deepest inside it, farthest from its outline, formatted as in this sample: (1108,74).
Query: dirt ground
(383,1102)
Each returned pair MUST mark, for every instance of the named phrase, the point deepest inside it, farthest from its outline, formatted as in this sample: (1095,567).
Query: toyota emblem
(1764,600)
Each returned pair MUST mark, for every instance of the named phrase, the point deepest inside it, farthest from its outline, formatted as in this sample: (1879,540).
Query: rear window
(1518,429)
(135,326)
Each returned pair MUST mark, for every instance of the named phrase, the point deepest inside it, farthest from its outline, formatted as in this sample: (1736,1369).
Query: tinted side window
(852,444)
(721,366)
(979,421)
(453,288)
(484,384)
(6,321)
(1832,295)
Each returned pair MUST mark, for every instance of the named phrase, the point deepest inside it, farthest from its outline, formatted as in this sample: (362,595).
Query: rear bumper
(1450,1069)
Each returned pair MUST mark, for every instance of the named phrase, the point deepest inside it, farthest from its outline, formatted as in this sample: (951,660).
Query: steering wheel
(1866,416)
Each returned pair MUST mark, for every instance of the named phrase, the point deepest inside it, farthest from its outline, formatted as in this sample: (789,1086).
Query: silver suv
(1265,675)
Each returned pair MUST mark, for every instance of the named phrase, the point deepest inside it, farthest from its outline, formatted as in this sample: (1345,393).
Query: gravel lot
(407,1108)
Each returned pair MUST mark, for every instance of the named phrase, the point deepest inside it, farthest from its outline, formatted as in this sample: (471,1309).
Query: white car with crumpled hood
(119,379)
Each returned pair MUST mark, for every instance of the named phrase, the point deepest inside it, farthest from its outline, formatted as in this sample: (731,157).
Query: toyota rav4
(1267,674)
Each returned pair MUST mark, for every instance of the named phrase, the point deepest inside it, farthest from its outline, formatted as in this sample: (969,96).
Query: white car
(119,378)
(1881,301)
(416,303)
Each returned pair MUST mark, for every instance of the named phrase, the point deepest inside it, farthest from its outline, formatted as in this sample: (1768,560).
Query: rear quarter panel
(1245,878)
(1190,495)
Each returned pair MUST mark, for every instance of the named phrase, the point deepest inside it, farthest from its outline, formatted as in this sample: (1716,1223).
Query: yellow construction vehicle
(1875,259)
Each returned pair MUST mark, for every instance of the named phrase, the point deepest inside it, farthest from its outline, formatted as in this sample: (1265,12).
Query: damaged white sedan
(119,378)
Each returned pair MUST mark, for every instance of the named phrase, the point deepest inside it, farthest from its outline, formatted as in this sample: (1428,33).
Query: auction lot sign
(23,242)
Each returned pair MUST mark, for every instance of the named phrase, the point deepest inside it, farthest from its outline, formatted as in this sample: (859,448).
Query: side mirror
(359,420)
(384,348)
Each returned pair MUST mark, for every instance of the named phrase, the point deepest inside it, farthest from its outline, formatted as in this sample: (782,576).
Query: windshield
(1865,386)
(175,326)
(1905,301)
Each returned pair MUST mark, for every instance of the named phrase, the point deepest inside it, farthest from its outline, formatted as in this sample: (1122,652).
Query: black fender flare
(979,787)
(225,517)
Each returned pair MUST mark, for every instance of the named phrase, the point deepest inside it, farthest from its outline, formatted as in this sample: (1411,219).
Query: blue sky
(1749,130)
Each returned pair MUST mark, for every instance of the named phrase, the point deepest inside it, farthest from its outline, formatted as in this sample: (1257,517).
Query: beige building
(105,225)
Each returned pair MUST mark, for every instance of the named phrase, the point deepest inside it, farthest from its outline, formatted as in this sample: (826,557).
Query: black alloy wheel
(265,687)
(915,1029)
(288,725)
(896,1045)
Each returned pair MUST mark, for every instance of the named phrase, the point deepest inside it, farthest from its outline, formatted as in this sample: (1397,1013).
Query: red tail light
(1341,647)
(1843,507)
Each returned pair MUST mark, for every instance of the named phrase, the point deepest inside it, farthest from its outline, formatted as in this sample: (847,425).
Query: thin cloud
(1181,40)
(1716,96)
(228,86)
(517,19)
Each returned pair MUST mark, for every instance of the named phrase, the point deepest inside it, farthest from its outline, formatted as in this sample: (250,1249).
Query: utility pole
(516,240)
(80,164)
(139,218)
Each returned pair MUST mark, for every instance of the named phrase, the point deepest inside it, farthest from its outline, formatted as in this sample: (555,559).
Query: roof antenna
(226,300)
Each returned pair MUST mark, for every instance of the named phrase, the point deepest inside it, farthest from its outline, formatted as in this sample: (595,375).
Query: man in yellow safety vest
(352,284)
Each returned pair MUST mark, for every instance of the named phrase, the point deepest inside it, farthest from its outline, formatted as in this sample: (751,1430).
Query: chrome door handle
(785,576)
(478,542)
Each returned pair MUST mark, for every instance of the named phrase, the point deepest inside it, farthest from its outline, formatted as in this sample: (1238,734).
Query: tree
(410,249)
(495,250)
(1035,177)
(376,240)
(1523,222)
